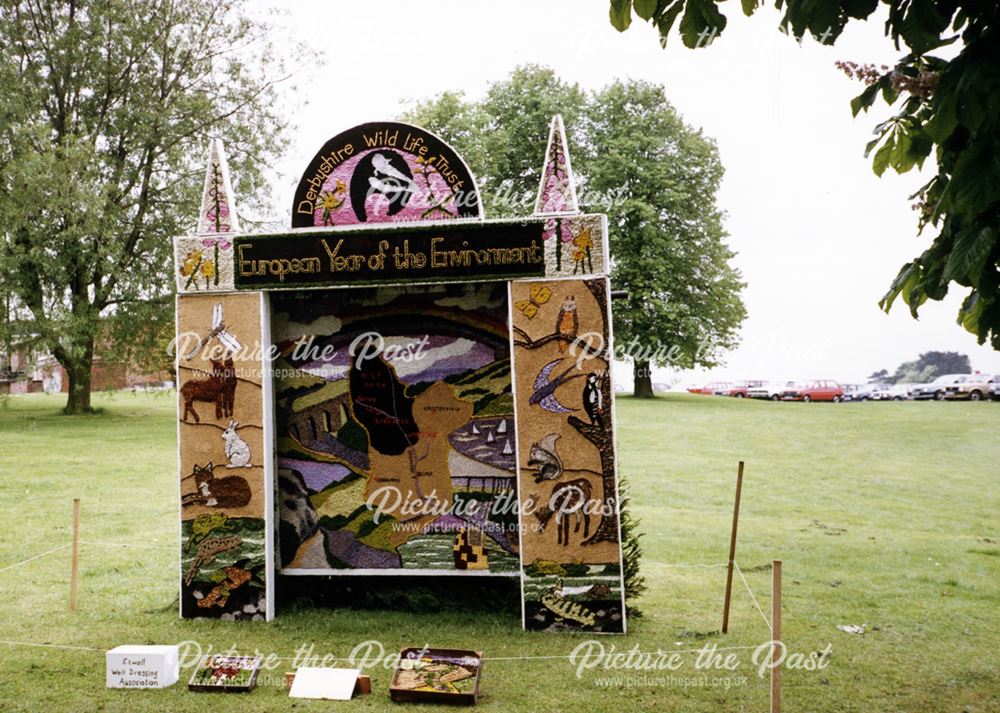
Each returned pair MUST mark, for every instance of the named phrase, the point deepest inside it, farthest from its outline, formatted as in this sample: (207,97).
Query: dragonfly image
(218,331)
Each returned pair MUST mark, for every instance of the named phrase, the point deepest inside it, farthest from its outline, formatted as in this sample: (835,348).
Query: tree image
(503,136)
(945,362)
(654,176)
(667,238)
(944,107)
(930,365)
(106,113)
(925,368)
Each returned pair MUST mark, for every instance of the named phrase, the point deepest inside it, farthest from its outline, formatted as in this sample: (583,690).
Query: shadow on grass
(414,594)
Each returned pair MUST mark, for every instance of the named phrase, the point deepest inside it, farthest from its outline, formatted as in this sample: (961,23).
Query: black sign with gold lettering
(463,251)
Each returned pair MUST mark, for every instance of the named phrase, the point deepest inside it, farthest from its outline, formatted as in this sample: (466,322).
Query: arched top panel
(384,172)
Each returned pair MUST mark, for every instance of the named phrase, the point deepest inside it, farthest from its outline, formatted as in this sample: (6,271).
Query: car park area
(949,387)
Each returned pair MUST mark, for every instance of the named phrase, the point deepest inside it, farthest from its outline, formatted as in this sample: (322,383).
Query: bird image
(382,173)
(567,324)
(383,167)
(544,389)
(543,456)
(593,400)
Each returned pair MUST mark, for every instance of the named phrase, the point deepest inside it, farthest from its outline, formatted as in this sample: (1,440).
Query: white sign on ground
(142,667)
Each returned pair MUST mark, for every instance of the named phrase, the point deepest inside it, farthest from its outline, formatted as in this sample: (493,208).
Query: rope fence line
(15,565)
(679,565)
(32,559)
(300,658)
(689,566)
(5,642)
(127,544)
(676,565)
(638,653)
(752,597)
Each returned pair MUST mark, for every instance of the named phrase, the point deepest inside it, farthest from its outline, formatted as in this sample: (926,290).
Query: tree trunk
(78,373)
(643,376)
(601,437)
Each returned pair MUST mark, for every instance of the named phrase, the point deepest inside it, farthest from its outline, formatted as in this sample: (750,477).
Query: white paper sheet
(331,684)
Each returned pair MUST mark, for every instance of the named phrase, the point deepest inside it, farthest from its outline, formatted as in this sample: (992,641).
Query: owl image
(567,324)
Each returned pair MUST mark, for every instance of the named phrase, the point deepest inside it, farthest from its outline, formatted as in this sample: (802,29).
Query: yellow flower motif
(583,241)
(190,263)
(208,269)
(335,198)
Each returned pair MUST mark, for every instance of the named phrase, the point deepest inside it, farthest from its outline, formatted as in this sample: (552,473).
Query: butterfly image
(539,295)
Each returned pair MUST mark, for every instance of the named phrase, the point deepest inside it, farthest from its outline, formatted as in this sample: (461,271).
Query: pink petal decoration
(218,210)
(557,191)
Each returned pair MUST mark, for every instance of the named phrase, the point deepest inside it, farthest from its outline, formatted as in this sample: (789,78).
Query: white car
(894,392)
(770,390)
(901,392)
(936,389)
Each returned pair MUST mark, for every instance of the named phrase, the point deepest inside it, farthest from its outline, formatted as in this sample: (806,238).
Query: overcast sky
(819,237)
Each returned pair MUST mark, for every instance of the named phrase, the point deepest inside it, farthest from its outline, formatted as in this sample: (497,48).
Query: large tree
(945,107)
(105,115)
(636,160)
(667,239)
(502,137)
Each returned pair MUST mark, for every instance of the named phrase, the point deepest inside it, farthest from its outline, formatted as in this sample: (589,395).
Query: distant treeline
(925,368)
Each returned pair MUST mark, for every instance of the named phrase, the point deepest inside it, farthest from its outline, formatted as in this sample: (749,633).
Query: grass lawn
(883,514)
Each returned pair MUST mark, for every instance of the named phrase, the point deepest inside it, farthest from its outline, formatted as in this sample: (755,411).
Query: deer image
(219,389)
(569,498)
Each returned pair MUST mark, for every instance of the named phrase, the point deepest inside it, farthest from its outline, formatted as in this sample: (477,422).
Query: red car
(821,390)
(712,388)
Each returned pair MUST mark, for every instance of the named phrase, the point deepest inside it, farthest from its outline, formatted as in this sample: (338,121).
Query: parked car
(936,389)
(859,392)
(819,390)
(974,387)
(851,389)
(741,389)
(879,392)
(901,392)
(995,392)
(887,392)
(711,388)
(718,388)
(769,390)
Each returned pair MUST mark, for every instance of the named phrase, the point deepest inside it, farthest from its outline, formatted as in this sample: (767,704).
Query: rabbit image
(237,450)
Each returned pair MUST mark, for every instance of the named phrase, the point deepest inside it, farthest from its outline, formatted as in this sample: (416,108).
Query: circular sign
(384,172)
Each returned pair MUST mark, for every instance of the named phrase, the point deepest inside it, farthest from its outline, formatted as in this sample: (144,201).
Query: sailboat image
(474,431)
(502,428)
(490,438)
(507,449)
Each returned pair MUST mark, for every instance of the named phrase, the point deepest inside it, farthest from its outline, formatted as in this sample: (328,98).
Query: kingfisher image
(383,173)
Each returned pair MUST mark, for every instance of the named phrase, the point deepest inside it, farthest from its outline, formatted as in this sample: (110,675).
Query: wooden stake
(75,566)
(732,550)
(777,650)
